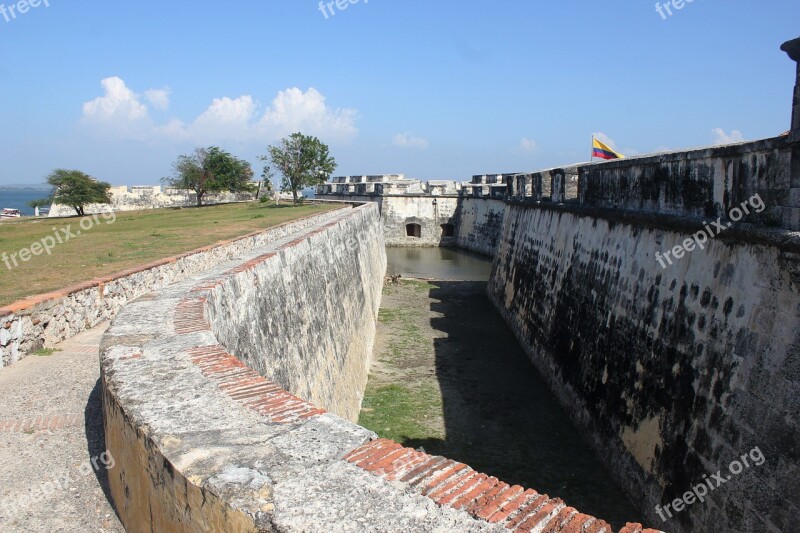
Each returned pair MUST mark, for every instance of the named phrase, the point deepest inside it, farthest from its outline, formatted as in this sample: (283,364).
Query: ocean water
(19,198)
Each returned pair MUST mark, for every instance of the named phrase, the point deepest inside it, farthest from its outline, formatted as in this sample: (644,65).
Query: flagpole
(591,158)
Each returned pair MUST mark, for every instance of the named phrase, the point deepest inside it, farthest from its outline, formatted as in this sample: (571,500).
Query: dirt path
(52,464)
(450,377)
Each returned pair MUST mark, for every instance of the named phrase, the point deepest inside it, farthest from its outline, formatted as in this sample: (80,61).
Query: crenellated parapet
(386,185)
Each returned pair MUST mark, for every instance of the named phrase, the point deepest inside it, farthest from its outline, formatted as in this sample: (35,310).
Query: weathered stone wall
(203,442)
(430,212)
(306,320)
(671,373)
(479,224)
(700,183)
(139,198)
(47,319)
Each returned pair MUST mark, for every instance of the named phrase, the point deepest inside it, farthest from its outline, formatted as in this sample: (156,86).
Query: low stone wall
(47,319)
(205,442)
(140,198)
(674,373)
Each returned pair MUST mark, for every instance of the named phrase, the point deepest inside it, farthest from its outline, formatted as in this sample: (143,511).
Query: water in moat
(438,263)
(450,377)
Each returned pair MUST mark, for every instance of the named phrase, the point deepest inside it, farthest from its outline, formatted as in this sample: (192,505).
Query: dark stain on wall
(625,343)
(682,183)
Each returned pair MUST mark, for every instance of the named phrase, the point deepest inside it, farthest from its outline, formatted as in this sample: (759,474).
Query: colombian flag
(604,152)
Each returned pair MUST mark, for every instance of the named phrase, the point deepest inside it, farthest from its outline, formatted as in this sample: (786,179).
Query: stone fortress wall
(705,347)
(672,369)
(207,394)
(671,374)
(124,198)
(220,419)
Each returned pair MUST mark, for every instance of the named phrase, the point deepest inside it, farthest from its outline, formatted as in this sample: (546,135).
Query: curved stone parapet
(227,399)
(46,319)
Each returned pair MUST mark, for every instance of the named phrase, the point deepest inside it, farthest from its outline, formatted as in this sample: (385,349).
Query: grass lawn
(402,400)
(136,237)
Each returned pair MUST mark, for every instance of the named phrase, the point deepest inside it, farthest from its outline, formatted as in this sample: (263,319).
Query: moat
(450,264)
(449,376)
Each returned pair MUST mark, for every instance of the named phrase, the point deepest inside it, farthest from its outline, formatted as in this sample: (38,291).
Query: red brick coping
(446,482)
(40,423)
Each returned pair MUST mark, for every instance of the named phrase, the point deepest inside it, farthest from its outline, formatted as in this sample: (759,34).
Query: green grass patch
(406,333)
(398,412)
(136,237)
(418,286)
(46,352)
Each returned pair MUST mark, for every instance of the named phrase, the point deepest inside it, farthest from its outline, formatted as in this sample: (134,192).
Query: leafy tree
(211,170)
(42,202)
(302,160)
(267,188)
(77,189)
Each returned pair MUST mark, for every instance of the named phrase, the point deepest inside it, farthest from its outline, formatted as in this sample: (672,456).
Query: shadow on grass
(499,415)
(268,205)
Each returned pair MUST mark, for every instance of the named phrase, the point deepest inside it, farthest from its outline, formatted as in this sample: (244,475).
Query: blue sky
(434,89)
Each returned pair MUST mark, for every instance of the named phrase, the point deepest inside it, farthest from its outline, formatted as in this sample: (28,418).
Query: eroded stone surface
(205,443)
(672,373)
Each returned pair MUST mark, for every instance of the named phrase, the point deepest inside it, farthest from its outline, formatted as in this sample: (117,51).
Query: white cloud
(407,140)
(527,145)
(226,119)
(158,98)
(720,137)
(293,110)
(119,102)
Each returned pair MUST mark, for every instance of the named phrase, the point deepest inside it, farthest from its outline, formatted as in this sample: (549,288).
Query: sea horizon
(18,198)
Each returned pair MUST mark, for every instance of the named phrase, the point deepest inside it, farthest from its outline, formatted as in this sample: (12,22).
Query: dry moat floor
(449,376)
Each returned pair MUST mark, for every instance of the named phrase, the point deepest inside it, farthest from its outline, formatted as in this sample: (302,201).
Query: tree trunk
(79,210)
(294,193)
(200,199)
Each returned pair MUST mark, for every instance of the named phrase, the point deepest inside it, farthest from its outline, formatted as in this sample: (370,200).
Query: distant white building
(138,197)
